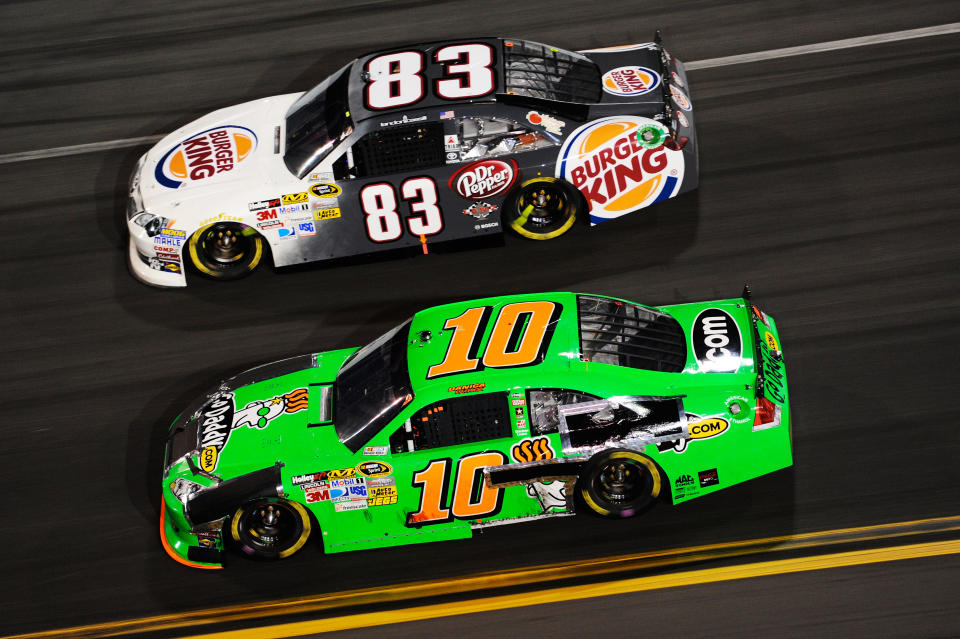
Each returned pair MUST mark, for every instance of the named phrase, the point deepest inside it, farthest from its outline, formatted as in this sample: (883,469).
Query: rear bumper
(185,547)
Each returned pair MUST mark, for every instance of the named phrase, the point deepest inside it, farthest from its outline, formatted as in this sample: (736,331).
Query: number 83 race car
(474,414)
(420,144)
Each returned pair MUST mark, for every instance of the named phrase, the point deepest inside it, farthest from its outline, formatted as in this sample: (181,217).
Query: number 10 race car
(474,414)
(421,144)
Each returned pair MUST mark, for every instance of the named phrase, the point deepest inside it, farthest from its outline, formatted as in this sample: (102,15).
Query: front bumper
(147,267)
(186,547)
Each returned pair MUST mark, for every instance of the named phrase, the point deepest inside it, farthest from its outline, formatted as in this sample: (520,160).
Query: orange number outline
(434,493)
(535,320)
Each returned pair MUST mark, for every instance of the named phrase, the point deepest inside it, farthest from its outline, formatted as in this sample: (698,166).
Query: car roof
(539,69)
(430,341)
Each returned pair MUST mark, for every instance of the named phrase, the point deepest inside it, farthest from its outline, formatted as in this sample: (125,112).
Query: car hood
(258,418)
(232,150)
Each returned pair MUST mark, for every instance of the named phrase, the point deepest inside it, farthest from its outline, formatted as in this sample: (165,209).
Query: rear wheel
(619,483)
(542,208)
(270,528)
(226,250)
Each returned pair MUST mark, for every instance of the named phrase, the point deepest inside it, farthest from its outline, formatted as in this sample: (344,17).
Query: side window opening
(544,406)
(458,420)
(489,137)
(394,149)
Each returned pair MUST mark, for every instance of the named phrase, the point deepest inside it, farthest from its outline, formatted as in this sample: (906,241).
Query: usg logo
(616,174)
(217,150)
(716,341)
(630,80)
(484,179)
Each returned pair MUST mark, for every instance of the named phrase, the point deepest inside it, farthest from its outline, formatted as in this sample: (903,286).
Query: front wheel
(225,250)
(542,208)
(270,528)
(619,483)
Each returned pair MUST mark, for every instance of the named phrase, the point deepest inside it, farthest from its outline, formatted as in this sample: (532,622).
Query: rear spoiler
(665,79)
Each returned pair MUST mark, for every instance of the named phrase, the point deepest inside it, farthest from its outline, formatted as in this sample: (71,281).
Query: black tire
(270,528)
(619,483)
(225,250)
(542,208)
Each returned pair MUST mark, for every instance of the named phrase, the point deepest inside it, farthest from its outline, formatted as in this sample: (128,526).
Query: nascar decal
(217,150)
(483,179)
(216,422)
(260,413)
(699,428)
(630,80)
(616,174)
(716,341)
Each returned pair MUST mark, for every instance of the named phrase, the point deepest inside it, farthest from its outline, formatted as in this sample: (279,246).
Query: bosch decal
(204,155)
(607,162)
(483,179)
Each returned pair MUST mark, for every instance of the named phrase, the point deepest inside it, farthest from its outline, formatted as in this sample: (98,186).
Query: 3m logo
(529,450)
(683,481)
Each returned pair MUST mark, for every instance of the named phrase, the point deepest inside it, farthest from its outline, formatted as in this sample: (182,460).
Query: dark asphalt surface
(828,183)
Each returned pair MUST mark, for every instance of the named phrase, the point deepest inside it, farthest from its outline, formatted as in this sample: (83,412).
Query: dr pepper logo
(204,155)
(484,179)
(631,80)
(615,173)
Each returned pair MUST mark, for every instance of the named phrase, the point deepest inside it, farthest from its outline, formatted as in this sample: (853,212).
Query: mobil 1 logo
(717,343)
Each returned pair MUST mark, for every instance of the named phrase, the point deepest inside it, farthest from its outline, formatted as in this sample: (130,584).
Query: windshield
(372,387)
(316,122)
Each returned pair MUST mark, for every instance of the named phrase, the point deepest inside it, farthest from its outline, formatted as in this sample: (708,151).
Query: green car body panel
(518,360)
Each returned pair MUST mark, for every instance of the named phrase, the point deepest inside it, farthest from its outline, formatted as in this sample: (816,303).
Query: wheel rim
(224,244)
(621,481)
(542,207)
(270,528)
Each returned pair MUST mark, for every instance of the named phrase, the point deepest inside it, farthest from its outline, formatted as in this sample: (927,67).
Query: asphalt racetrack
(829,183)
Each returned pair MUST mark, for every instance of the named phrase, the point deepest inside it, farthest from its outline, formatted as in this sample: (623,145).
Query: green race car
(478,413)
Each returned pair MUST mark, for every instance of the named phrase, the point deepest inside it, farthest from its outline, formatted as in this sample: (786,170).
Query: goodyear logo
(208,458)
(326,214)
(771,341)
(294,198)
(324,189)
(536,449)
(374,469)
(630,80)
(208,153)
(615,172)
(709,427)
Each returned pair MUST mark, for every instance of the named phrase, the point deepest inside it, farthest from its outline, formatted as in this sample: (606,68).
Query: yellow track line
(606,589)
(502,579)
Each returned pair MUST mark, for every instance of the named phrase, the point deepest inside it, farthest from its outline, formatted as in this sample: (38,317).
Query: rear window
(623,334)
(535,70)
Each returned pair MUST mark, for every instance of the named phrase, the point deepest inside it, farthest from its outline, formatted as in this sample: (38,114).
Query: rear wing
(771,386)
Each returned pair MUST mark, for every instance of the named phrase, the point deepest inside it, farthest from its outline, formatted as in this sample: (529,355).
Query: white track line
(880,38)
(77,149)
(772,54)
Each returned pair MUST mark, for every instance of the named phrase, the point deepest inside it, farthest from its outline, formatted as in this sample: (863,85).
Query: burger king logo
(680,98)
(630,80)
(484,179)
(607,162)
(204,155)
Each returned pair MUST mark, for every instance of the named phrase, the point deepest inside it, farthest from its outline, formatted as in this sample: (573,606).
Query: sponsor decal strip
(521,576)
